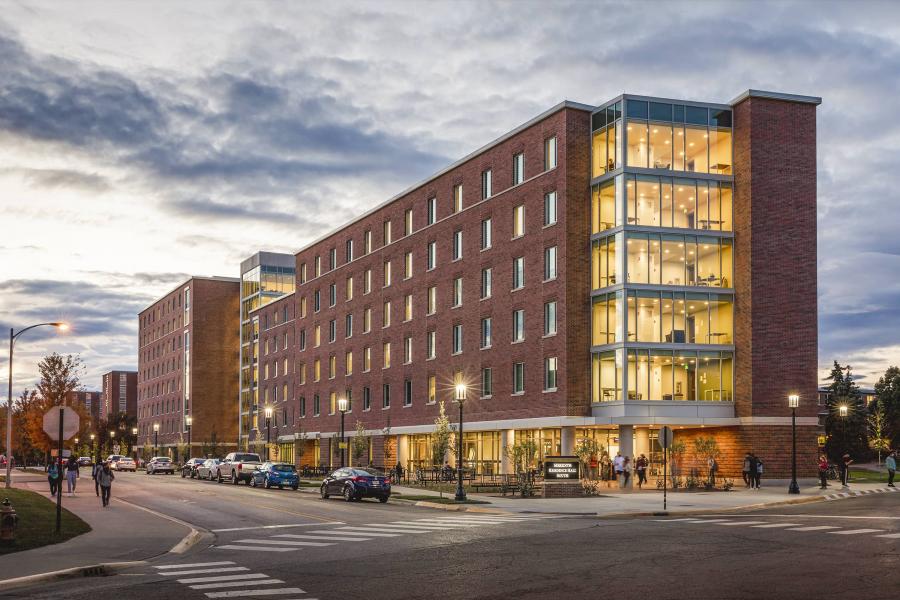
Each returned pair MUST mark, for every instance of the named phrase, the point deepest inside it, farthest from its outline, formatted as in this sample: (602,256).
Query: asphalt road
(295,546)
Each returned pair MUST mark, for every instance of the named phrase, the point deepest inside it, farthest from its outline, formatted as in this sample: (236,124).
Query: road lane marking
(283,543)
(468,520)
(228,584)
(854,531)
(718,521)
(240,593)
(676,520)
(244,577)
(736,523)
(187,566)
(201,571)
(892,536)
(382,531)
(814,528)
(419,526)
(254,548)
(277,526)
(773,525)
(437,523)
(326,536)
(781,516)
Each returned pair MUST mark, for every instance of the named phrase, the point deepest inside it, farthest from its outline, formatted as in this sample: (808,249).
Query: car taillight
(359,479)
(240,466)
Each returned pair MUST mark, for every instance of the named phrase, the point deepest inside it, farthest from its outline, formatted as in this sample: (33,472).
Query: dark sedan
(277,474)
(355,484)
(189,468)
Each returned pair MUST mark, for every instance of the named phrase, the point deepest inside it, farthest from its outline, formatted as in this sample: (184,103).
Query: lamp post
(134,432)
(188,420)
(461,399)
(793,402)
(842,411)
(155,438)
(12,342)
(93,448)
(343,405)
(268,429)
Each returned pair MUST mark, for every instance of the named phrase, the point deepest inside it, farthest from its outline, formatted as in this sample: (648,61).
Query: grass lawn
(860,476)
(37,521)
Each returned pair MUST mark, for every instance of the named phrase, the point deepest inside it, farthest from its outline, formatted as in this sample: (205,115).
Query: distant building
(91,401)
(867,394)
(119,394)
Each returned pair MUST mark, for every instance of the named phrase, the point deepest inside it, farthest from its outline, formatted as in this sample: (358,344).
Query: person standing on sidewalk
(890,464)
(72,473)
(105,478)
(641,467)
(752,463)
(759,472)
(95,472)
(745,471)
(823,471)
(713,466)
(53,476)
(846,461)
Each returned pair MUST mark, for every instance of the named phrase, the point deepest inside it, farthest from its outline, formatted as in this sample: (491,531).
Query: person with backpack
(72,474)
(95,472)
(823,472)
(53,476)
(890,463)
(745,471)
(641,465)
(752,463)
(759,472)
(105,478)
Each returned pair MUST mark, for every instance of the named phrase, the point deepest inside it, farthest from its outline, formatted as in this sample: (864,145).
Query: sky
(143,142)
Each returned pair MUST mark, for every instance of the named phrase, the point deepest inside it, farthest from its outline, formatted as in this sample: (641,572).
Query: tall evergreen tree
(846,434)
(887,392)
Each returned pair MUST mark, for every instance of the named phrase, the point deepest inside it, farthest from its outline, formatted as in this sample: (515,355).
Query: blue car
(271,474)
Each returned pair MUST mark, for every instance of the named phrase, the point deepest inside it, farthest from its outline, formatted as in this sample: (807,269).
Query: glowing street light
(343,407)
(793,403)
(460,398)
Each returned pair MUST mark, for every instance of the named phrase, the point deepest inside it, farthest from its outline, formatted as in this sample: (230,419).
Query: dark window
(660,111)
(678,117)
(720,118)
(637,109)
(617,110)
(407,393)
(696,115)
(386,395)
(598,120)
(302,406)
(367,399)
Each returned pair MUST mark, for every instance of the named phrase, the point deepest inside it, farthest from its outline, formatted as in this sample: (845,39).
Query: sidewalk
(615,502)
(119,533)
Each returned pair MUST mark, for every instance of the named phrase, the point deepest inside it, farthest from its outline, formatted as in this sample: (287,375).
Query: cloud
(59,179)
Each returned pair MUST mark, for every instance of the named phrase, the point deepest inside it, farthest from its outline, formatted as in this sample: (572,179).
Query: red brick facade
(113,399)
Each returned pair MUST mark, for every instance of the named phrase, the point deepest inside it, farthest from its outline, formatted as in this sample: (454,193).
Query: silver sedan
(207,470)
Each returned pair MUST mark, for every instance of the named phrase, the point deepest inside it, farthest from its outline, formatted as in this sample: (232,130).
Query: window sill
(549,225)
(517,394)
(485,298)
(456,306)
(407,406)
(454,260)
(516,237)
(429,358)
(485,347)
(456,353)
(431,403)
(521,287)
(385,408)
(549,280)
(549,335)
(518,341)
(486,249)
(549,391)
(488,397)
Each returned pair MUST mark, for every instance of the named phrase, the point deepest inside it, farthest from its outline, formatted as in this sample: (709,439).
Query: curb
(194,537)
(98,570)
(855,494)
(454,507)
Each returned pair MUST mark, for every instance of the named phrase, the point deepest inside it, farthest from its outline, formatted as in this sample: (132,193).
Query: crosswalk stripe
(714,521)
(774,525)
(486,518)
(187,566)
(326,537)
(436,521)
(201,571)
(739,523)
(239,593)
(814,528)
(892,536)
(284,543)
(434,524)
(400,524)
(854,531)
(674,520)
(228,584)
(244,577)
(382,531)
(468,520)
(254,548)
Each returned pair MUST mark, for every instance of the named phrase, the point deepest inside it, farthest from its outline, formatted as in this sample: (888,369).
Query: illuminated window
(550,153)
(519,221)
(518,168)
(457,198)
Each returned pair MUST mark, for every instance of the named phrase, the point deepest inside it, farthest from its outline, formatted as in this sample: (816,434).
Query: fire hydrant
(9,520)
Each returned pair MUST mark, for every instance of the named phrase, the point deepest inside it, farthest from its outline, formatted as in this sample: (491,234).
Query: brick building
(598,272)
(119,394)
(92,402)
(187,367)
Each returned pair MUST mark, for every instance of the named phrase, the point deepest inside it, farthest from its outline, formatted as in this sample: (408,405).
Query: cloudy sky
(142,142)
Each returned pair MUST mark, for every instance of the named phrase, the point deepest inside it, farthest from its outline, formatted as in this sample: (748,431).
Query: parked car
(117,462)
(272,473)
(85,461)
(207,469)
(355,484)
(237,466)
(160,464)
(189,468)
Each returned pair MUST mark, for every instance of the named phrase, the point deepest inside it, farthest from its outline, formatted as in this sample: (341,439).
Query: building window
(549,153)
(408,308)
(457,339)
(431,204)
(332,259)
(332,331)
(518,326)
(485,234)
(550,374)
(316,405)
(432,389)
(303,273)
(386,395)
(408,265)
(367,359)
(317,370)
(408,222)
(432,300)
(348,250)
(486,282)
(485,184)
(367,281)
(332,403)
(457,292)
(386,314)
(432,255)
(302,407)
(550,318)
(302,340)
(367,320)
(407,350)
(367,398)
(549,208)
(457,245)
(518,275)
(303,374)
(332,295)
(518,168)
(518,378)
(386,232)
(519,221)
(407,393)
(386,355)
(549,263)
(487,382)
(317,301)
(457,198)
(303,307)
(486,332)
(348,362)
(348,326)
(332,366)
(367,241)
(430,343)
(317,263)
(317,336)
(387,273)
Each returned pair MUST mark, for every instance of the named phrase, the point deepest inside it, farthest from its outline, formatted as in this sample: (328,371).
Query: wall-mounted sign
(561,467)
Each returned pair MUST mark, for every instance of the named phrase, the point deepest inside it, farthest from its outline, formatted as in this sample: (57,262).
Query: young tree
(59,376)
(878,434)
(845,434)
(706,449)
(440,439)
(359,445)
(584,450)
(887,392)
(522,455)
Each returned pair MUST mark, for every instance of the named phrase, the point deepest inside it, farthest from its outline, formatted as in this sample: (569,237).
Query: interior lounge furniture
(676,337)
(635,396)
(716,337)
(673,397)
(658,164)
(720,168)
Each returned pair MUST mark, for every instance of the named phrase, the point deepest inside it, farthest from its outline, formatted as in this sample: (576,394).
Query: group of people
(752,471)
(890,464)
(101,473)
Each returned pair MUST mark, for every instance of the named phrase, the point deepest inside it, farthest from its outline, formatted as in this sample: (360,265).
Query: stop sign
(70,422)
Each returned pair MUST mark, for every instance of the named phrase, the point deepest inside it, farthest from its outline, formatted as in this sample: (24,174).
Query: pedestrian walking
(752,463)
(844,465)
(619,466)
(53,476)
(641,465)
(890,464)
(745,471)
(72,474)
(105,477)
(823,471)
(713,466)
(605,466)
(95,471)
(594,463)
(759,472)
(626,473)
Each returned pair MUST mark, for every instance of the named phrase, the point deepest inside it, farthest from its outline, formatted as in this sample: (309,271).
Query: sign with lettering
(561,467)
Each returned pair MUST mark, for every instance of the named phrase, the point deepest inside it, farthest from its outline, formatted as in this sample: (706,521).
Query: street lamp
(134,432)
(188,420)
(93,451)
(268,413)
(793,402)
(461,399)
(155,438)
(12,342)
(842,411)
(343,405)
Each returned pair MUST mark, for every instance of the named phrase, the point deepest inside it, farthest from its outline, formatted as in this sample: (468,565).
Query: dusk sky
(143,143)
